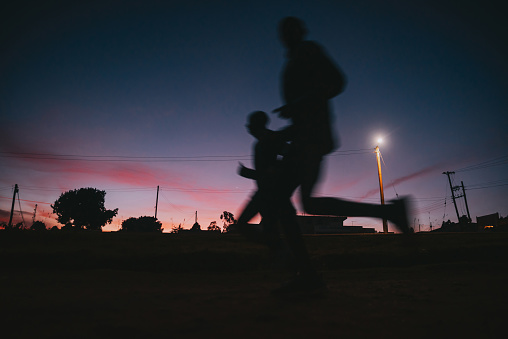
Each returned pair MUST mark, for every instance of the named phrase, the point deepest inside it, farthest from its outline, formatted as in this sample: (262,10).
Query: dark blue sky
(177,79)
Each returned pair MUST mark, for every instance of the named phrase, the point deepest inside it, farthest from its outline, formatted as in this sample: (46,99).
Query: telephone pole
(13,201)
(156,202)
(453,194)
(465,200)
(457,188)
(381,193)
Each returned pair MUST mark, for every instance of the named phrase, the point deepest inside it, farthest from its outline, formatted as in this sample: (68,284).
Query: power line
(353,151)
(485,164)
(489,186)
(60,189)
(144,189)
(205,190)
(495,183)
(125,158)
(37,202)
(431,207)
(386,167)
(128,159)
(21,212)
(172,205)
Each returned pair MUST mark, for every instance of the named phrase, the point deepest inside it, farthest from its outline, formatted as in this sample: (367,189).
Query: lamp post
(381,193)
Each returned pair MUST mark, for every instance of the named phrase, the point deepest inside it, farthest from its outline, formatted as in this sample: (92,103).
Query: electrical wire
(488,186)
(21,212)
(145,189)
(393,185)
(121,158)
(124,158)
(444,211)
(430,207)
(485,164)
(37,202)
(171,204)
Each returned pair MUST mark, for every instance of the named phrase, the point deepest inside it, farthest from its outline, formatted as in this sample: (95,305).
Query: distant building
(485,223)
(313,224)
(488,222)
(464,225)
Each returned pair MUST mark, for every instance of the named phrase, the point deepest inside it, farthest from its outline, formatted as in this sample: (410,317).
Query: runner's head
(257,122)
(291,31)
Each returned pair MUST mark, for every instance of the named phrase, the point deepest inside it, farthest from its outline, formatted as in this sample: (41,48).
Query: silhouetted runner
(271,199)
(267,149)
(309,80)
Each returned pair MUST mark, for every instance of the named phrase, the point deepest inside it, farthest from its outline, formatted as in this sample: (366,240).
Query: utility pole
(13,201)
(453,194)
(156,202)
(465,200)
(385,224)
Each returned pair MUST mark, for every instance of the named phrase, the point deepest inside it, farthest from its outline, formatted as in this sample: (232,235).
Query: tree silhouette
(141,224)
(17,227)
(83,208)
(213,226)
(177,229)
(228,220)
(38,226)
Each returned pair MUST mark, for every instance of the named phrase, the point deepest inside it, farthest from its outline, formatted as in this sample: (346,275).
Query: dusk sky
(126,96)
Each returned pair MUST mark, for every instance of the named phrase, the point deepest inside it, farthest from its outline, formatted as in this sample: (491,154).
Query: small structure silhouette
(318,224)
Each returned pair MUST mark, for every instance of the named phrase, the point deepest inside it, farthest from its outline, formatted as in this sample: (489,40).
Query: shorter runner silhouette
(271,199)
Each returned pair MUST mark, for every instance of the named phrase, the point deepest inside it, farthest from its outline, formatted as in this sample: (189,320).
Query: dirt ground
(70,287)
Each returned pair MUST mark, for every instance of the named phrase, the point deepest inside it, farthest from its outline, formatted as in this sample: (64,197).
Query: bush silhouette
(141,224)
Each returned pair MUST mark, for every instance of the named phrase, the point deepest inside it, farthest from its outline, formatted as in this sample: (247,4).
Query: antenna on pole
(156,202)
(35,212)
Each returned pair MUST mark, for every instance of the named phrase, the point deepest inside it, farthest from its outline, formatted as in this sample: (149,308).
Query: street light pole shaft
(381,193)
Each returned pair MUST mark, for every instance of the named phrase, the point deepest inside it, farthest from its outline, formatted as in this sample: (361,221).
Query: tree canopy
(83,208)
(228,219)
(38,226)
(213,226)
(177,229)
(142,224)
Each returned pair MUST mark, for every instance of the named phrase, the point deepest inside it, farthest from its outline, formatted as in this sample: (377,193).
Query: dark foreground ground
(94,285)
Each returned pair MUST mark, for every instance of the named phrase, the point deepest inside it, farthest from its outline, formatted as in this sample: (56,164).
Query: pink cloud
(190,191)
(128,173)
(340,186)
(400,180)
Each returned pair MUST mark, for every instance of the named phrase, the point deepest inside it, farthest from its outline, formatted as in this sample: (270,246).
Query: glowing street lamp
(381,193)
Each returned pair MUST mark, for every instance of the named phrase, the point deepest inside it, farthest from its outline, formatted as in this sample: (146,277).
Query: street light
(381,193)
